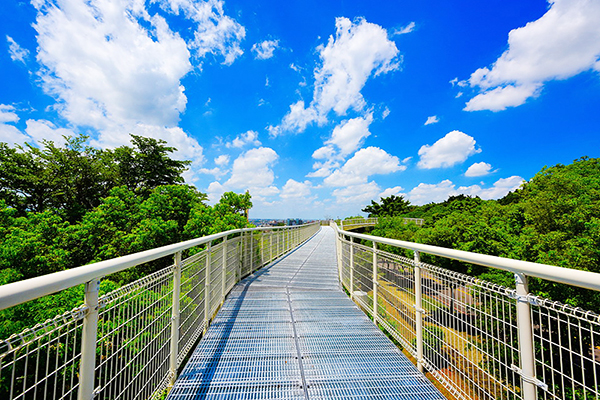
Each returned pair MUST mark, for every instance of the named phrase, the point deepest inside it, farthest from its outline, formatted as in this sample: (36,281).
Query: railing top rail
(30,289)
(584,279)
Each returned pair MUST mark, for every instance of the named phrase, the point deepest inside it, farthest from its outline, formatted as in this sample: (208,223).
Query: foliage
(390,207)
(62,207)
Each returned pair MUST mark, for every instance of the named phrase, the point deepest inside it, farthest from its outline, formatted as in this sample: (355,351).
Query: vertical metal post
(419,310)
(175,320)
(207,287)
(351,267)
(270,246)
(224,268)
(251,234)
(238,270)
(375,278)
(87,368)
(262,248)
(526,354)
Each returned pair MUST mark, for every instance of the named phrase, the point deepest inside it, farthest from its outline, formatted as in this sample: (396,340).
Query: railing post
(87,378)
(351,267)
(419,311)
(375,278)
(262,248)
(207,287)
(238,270)
(224,268)
(251,234)
(175,320)
(525,332)
(270,246)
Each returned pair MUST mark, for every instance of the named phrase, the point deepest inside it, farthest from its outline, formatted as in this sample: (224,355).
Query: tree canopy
(390,207)
(552,219)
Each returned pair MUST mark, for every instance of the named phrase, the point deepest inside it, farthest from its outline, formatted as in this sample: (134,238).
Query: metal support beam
(175,316)
(526,354)
(87,367)
(351,267)
(419,310)
(207,287)
(224,269)
(375,284)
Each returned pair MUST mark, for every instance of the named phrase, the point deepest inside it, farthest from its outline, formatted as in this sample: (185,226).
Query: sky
(315,107)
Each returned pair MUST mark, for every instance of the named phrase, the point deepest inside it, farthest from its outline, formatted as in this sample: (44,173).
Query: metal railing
(130,342)
(477,339)
(360,222)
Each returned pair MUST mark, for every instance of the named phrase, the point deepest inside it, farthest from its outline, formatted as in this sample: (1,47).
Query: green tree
(390,207)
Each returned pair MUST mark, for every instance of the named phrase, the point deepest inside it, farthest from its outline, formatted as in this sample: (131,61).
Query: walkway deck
(290,332)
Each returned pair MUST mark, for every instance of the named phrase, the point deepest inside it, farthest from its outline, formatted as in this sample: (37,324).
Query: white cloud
(366,162)
(358,51)
(405,29)
(427,193)
(247,138)
(117,66)
(393,191)
(357,194)
(17,53)
(385,113)
(479,169)
(253,169)
(452,149)
(564,42)
(294,189)
(323,169)
(350,134)
(42,129)
(264,50)
(222,160)
(8,114)
(432,120)
(296,120)
(10,134)
(325,152)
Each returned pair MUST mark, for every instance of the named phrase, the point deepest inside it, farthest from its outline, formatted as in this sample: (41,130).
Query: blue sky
(315,107)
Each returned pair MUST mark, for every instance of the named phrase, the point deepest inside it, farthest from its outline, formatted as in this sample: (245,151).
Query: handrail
(23,291)
(584,279)
(487,334)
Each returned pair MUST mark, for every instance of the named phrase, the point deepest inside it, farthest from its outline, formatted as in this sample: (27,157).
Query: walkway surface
(290,332)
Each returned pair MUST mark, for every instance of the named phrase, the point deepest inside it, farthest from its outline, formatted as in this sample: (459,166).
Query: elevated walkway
(290,332)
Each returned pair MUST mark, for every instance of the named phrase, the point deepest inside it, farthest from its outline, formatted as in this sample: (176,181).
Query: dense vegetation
(552,219)
(63,207)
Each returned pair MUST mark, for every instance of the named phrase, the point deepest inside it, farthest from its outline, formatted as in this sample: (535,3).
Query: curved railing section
(129,343)
(354,223)
(477,339)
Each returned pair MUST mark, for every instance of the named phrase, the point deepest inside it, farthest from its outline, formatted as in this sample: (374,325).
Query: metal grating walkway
(290,332)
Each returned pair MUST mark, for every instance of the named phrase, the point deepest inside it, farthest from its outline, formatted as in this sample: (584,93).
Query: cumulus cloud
(41,129)
(479,169)
(295,189)
(366,162)
(564,42)
(426,193)
(432,120)
(393,191)
(9,133)
(17,53)
(296,120)
(357,194)
(117,66)
(452,149)
(247,138)
(350,134)
(264,50)
(358,51)
(222,160)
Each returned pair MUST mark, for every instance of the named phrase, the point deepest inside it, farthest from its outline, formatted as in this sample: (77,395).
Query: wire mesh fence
(142,331)
(469,334)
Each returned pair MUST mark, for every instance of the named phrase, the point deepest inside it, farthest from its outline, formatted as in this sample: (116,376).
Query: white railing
(360,222)
(478,340)
(130,342)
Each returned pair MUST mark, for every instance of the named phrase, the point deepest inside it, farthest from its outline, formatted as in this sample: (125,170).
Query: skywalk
(289,332)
